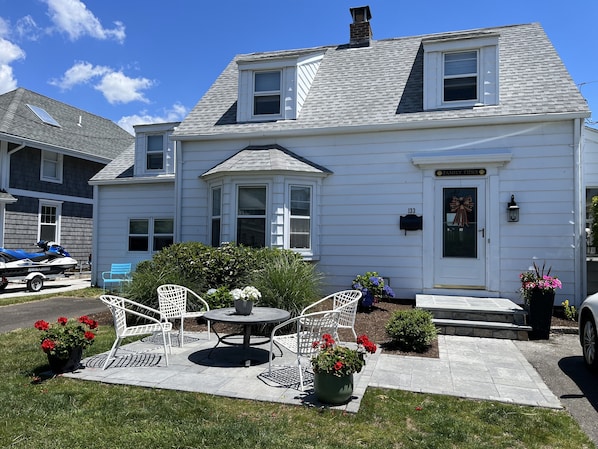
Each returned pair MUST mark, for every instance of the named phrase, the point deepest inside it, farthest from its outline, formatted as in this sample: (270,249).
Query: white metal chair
(121,309)
(309,329)
(173,303)
(346,302)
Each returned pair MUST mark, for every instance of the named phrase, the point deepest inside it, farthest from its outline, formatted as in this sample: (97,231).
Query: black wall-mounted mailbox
(411,222)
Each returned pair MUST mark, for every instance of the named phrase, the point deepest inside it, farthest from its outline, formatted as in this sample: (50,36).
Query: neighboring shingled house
(48,152)
(399,156)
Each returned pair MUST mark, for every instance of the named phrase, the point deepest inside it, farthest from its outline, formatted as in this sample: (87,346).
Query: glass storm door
(460,240)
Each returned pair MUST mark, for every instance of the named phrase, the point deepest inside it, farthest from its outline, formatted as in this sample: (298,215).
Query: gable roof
(382,86)
(80,133)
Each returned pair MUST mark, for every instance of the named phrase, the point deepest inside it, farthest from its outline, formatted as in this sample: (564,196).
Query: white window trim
(211,210)
(59,167)
(468,102)
(305,252)
(150,233)
(162,152)
(262,182)
(58,206)
(487,76)
(278,92)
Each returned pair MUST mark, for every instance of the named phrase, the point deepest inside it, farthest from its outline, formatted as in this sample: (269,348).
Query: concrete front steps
(476,317)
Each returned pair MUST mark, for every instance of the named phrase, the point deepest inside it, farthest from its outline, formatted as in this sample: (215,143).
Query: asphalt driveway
(560,363)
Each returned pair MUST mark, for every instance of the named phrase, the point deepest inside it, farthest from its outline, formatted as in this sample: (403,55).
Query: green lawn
(67,413)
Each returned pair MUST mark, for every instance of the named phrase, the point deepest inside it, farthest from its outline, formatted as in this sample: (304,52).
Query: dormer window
(275,88)
(460,76)
(461,71)
(155,152)
(266,93)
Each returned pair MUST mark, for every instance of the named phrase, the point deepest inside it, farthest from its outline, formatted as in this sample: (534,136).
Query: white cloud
(119,88)
(73,18)
(80,73)
(26,28)
(4,27)
(7,79)
(9,53)
(114,85)
(175,114)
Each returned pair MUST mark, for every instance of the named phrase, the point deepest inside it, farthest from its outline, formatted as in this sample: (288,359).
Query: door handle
(483,231)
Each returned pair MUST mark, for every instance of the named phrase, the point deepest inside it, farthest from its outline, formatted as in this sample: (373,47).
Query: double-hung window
(266,93)
(216,215)
(300,217)
(460,76)
(155,152)
(49,219)
(251,216)
(51,169)
(461,72)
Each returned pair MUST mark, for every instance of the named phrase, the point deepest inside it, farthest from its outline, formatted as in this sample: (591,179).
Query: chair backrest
(116,304)
(346,302)
(122,269)
(311,327)
(172,300)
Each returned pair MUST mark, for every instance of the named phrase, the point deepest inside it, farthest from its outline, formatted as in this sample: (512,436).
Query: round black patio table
(258,315)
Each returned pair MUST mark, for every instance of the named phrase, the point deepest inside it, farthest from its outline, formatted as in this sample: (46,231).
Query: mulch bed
(371,322)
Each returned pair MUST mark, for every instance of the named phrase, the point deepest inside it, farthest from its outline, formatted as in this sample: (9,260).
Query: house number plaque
(462,172)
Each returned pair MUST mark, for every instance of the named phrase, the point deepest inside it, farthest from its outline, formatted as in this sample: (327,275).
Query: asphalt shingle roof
(79,132)
(383,85)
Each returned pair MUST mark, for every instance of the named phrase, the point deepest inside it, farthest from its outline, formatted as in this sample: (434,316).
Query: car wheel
(589,341)
(35,284)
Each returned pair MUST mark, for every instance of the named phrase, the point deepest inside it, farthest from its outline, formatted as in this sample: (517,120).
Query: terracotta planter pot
(333,390)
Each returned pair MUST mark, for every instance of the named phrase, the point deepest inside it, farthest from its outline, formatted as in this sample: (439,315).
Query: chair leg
(164,342)
(112,352)
(300,374)
(181,333)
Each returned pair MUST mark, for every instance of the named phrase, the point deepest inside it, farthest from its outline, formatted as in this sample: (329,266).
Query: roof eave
(382,127)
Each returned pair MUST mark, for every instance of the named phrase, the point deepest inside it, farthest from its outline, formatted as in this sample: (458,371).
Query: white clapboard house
(399,156)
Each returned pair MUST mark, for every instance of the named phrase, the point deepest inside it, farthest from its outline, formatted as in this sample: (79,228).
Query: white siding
(115,205)
(374,183)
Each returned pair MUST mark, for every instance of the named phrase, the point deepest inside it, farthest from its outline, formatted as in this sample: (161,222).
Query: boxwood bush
(411,329)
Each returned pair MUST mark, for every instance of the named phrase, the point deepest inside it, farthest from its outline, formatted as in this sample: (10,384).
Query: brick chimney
(360,31)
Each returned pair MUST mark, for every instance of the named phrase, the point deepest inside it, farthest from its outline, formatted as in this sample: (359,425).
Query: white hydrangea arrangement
(249,293)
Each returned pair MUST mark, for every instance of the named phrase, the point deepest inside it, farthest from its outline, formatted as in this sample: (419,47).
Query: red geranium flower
(42,325)
(48,345)
(89,335)
(62,320)
(338,366)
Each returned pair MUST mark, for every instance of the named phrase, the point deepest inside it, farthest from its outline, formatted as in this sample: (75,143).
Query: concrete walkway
(476,368)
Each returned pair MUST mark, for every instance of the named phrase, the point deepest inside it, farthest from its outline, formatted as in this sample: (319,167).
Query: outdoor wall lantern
(512,210)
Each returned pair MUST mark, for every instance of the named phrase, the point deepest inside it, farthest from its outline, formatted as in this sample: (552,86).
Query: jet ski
(17,264)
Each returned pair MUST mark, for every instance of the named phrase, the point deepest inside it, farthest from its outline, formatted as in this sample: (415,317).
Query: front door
(460,234)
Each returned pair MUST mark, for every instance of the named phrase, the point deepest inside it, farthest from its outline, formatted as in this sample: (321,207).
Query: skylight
(44,116)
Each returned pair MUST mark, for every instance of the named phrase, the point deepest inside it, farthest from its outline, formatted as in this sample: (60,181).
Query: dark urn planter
(333,390)
(243,306)
(540,314)
(71,363)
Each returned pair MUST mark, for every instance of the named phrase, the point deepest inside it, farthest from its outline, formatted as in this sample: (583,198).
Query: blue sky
(144,61)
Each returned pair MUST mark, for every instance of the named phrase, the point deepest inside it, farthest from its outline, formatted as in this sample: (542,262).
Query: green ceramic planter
(333,390)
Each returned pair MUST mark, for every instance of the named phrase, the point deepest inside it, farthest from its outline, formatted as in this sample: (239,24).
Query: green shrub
(411,329)
(283,278)
(217,298)
(286,281)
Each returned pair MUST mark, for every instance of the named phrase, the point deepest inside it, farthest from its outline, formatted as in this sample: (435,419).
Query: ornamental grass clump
(536,280)
(60,338)
(411,330)
(339,360)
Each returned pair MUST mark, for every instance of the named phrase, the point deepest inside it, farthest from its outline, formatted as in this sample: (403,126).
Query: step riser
(483,332)
(514,318)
